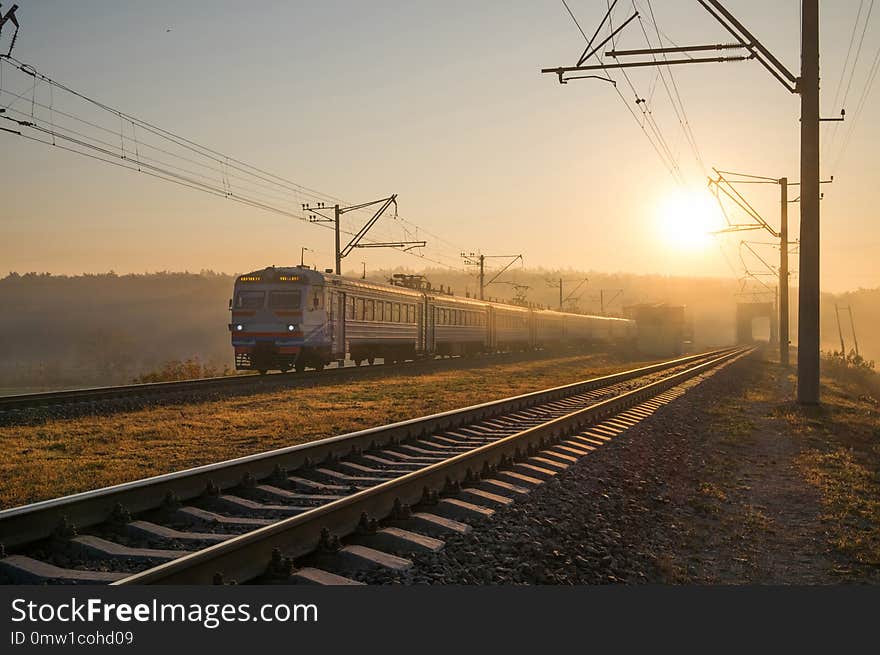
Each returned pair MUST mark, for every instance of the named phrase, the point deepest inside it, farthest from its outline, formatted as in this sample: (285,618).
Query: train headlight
(239,327)
(291,328)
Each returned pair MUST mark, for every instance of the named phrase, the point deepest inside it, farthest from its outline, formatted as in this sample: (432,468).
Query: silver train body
(292,317)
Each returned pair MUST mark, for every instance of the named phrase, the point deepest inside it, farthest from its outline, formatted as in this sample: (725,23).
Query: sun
(687,218)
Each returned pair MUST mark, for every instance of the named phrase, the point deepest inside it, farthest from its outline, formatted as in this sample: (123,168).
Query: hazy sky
(439,102)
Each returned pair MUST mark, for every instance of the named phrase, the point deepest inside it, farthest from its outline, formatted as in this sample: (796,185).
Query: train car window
(349,308)
(250,299)
(285,299)
(370,311)
(395,313)
(359,312)
(410,313)
(388,311)
(380,310)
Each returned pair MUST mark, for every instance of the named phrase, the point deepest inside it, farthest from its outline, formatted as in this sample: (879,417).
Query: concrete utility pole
(315,216)
(559,284)
(473,259)
(840,332)
(337,214)
(853,326)
(783,273)
(808,269)
(602,298)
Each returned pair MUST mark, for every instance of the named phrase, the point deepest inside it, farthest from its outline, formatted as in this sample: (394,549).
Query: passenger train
(294,317)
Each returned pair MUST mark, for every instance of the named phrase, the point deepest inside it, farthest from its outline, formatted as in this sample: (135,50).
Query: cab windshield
(249,299)
(285,299)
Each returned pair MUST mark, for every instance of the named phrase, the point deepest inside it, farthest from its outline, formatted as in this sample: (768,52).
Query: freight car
(294,317)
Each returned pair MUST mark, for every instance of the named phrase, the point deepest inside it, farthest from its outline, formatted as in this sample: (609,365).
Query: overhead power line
(647,124)
(40,112)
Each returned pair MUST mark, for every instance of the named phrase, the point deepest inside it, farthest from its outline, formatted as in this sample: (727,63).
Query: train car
(284,318)
(623,331)
(579,329)
(378,321)
(509,327)
(457,326)
(548,328)
(600,329)
(279,320)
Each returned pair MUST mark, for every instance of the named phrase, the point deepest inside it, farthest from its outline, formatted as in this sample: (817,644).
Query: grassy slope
(842,461)
(66,456)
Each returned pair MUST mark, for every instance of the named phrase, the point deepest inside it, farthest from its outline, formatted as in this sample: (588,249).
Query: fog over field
(96,329)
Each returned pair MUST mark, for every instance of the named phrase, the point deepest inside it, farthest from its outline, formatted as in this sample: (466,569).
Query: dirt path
(763,521)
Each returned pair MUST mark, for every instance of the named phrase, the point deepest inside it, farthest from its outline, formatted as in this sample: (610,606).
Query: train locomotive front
(279,320)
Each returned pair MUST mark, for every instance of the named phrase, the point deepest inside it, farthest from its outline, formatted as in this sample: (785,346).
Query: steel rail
(29,523)
(247,556)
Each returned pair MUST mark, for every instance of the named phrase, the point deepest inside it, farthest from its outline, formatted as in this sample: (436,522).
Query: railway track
(385,492)
(23,407)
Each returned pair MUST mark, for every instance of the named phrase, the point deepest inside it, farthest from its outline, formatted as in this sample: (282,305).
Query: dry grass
(842,461)
(67,456)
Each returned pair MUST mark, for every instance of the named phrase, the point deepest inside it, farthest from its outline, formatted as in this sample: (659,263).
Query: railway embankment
(68,455)
(731,483)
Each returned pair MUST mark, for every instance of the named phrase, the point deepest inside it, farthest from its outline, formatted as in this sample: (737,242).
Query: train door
(430,323)
(421,326)
(336,319)
(493,333)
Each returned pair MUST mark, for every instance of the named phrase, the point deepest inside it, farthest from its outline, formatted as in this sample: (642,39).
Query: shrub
(188,369)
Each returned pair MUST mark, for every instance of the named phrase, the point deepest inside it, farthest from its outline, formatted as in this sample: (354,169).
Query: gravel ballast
(634,511)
